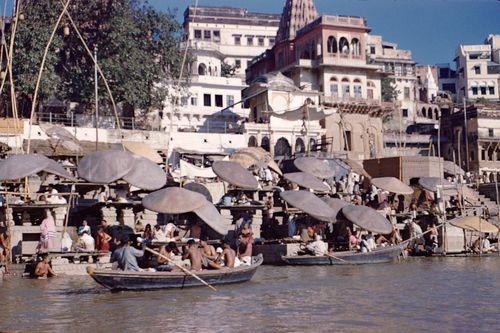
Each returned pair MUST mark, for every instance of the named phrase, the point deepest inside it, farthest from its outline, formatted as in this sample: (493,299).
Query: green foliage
(138,51)
(227,69)
(389,91)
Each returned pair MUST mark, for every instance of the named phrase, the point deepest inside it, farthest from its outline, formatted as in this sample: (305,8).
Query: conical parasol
(201,189)
(211,216)
(335,204)
(146,175)
(306,180)
(315,167)
(58,170)
(452,169)
(392,184)
(104,167)
(22,165)
(356,167)
(235,175)
(474,223)
(62,137)
(173,200)
(431,183)
(309,204)
(245,160)
(368,219)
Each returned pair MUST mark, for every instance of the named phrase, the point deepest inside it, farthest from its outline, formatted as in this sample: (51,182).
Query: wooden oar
(181,268)
(334,257)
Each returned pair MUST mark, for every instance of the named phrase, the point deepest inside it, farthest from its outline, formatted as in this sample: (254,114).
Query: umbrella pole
(181,268)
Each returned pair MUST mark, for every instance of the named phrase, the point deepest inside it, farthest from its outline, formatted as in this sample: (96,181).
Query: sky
(431,29)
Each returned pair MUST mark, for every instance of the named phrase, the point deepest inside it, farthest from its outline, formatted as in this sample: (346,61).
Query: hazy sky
(431,29)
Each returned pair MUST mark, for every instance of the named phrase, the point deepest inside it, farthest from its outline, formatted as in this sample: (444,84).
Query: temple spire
(296,15)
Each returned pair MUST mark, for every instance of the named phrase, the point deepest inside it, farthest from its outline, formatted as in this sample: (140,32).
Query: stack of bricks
(147,217)
(109,214)
(127,217)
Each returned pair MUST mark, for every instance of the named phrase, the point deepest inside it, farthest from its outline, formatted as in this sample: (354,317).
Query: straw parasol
(22,165)
(309,204)
(235,174)
(315,167)
(173,200)
(199,188)
(335,204)
(452,168)
(392,184)
(58,170)
(368,219)
(431,183)
(474,223)
(104,167)
(306,180)
(211,216)
(146,175)
(356,167)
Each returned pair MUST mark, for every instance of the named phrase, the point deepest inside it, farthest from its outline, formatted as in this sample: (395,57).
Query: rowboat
(117,280)
(380,255)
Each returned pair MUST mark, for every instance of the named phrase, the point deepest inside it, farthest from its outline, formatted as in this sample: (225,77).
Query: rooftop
(336,20)
(229,15)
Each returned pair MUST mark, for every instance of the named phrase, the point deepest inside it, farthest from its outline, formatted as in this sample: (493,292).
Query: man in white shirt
(85,242)
(159,235)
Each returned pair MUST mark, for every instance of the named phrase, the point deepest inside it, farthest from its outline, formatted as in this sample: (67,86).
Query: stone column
(257,223)
(127,217)
(59,214)
(109,214)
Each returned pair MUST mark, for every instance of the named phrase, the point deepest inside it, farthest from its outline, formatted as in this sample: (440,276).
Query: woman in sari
(48,230)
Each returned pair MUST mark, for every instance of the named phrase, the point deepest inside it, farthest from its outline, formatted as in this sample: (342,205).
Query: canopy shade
(315,167)
(249,156)
(356,167)
(62,137)
(104,167)
(335,204)
(309,204)
(58,170)
(22,165)
(474,223)
(199,188)
(146,175)
(392,184)
(368,219)
(306,180)
(451,168)
(144,150)
(211,216)
(173,200)
(432,183)
(235,174)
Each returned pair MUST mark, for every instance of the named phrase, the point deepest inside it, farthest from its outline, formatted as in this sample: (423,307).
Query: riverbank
(437,294)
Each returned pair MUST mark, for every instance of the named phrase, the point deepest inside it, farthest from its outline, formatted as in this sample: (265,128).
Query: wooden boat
(381,255)
(117,280)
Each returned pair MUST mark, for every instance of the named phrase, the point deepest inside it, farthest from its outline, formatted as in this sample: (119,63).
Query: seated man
(245,249)
(126,255)
(228,256)
(159,235)
(43,269)
(85,242)
(317,247)
(209,255)
(193,253)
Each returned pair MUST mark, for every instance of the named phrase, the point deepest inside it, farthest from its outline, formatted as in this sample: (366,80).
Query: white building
(478,70)
(221,42)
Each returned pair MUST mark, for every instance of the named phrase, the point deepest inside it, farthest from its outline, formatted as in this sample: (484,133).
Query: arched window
(252,141)
(429,113)
(312,144)
(369,91)
(265,144)
(210,70)
(332,45)
(436,114)
(282,148)
(358,91)
(334,87)
(344,46)
(202,69)
(356,47)
(424,113)
(215,71)
(346,90)
(299,146)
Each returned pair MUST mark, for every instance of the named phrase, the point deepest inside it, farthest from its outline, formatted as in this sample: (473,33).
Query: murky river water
(438,295)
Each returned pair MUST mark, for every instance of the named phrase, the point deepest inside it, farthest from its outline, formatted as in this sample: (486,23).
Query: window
(207,34)
(237,40)
(404,113)
(272,40)
(331,45)
(249,40)
(357,91)
(347,141)
(218,100)
(237,63)
(207,100)
(216,35)
(491,90)
(372,49)
(197,34)
(229,100)
(261,41)
(477,69)
(483,90)
(334,89)
(345,90)
(369,93)
(407,92)
(184,100)
(194,101)
(491,133)
(474,90)
(249,62)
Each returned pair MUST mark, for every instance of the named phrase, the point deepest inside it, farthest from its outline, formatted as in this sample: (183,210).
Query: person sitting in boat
(307,234)
(170,230)
(193,253)
(126,255)
(209,255)
(168,251)
(353,240)
(381,240)
(159,235)
(85,242)
(43,269)
(370,240)
(245,249)
(364,245)
(317,247)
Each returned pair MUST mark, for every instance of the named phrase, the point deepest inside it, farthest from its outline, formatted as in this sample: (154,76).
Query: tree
(138,51)
(227,69)
(389,91)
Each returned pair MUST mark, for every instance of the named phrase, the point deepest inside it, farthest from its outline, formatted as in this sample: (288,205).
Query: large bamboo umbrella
(306,180)
(335,204)
(392,184)
(22,165)
(431,183)
(173,200)
(368,219)
(309,204)
(235,175)
(104,167)
(58,170)
(474,223)
(211,216)
(315,167)
(146,175)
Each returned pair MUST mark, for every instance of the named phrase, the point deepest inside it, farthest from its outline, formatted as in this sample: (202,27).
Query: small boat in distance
(380,255)
(117,280)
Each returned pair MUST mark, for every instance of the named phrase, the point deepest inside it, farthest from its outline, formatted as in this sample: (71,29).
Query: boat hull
(125,280)
(382,255)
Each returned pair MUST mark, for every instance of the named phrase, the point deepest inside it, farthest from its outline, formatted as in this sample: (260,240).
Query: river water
(440,295)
